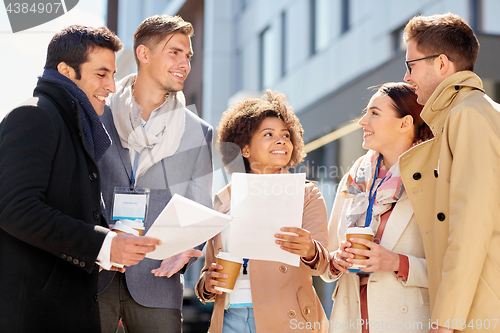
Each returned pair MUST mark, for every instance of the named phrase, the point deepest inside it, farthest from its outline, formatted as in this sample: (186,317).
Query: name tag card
(130,204)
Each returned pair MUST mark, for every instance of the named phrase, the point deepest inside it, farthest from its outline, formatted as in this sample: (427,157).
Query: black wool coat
(51,229)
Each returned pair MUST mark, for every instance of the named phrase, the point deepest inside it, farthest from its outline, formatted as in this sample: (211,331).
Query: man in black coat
(52,237)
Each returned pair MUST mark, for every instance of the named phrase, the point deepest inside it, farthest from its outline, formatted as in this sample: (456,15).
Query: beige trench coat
(453,182)
(283,296)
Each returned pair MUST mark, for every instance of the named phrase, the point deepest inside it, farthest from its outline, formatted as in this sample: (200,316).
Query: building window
(476,15)
(312,27)
(266,58)
(238,72)
(283,43)
(344,19)
(398,44)
(319,25)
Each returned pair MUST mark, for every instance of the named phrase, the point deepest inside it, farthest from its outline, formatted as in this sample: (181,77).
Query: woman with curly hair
(281,299)
(387,291)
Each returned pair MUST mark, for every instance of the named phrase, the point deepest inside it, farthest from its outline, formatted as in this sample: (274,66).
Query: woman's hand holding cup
(210,279)
(379,258)
(341,256)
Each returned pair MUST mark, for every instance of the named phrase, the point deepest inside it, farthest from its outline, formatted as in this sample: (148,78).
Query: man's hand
(172,265)
(128,249)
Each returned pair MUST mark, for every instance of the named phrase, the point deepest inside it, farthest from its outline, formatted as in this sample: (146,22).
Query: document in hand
(260,206)
(184,224)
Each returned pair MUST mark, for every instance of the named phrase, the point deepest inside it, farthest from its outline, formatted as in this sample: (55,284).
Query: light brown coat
(283,296)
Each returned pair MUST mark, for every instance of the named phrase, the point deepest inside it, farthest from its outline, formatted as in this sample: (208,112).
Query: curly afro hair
(240,121)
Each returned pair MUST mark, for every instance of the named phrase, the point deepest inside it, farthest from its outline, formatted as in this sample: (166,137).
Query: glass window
(344,19)
(266,58)
(319,25)
(283,43)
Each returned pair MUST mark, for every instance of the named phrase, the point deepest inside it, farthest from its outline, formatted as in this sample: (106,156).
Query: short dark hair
(73,44)
(155,28)
(447,34)
(240,121)
(404,101)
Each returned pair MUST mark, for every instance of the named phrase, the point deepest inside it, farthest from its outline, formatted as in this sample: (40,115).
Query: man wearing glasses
(453,180)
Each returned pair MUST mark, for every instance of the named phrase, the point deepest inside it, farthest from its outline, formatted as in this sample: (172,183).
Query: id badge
(241,297)
(130,204)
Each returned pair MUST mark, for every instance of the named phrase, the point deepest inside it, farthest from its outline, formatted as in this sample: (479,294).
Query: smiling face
(424,74)
(381,127)
(270,148)
(169,63)
(96,80)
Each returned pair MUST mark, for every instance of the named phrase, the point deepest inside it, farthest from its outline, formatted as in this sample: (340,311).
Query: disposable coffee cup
(357,232)
(231,267)
(130,227)
(134,227)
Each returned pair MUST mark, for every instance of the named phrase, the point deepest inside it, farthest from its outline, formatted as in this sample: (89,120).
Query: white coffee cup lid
(359,230)
(225,256)
(136,224)
(125,228)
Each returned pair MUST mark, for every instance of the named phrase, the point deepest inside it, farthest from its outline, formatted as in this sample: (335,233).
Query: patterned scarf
(93,130)
(358,184)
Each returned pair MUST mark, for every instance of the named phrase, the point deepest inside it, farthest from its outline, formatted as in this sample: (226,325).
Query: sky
(22,55)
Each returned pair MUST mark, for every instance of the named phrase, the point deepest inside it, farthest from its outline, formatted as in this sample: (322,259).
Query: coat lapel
(396,225)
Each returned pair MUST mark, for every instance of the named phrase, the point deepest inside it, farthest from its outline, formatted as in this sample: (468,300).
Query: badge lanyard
(130,203)
(371,196)
(134,171)
(245,265)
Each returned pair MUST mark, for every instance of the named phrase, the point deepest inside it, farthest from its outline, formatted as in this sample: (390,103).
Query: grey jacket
(188,173)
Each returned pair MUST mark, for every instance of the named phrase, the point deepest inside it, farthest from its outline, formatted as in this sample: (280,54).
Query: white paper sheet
(184,224)
(260,206)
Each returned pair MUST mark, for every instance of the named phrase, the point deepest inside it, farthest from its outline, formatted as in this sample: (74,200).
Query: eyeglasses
(429,57)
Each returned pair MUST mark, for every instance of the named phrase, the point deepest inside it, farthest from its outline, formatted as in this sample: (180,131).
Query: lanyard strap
(371,196)
(134,170)
(245,264)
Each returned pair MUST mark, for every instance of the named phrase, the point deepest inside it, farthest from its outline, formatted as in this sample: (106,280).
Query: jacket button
(69,258)
(291,313)
(283,269)
(436,173)
(417,175)
(96,216)
(73,105)
(96,297)
(403,309)
(63,256)
(76,261)
(93,176)
(441,216)
(306,311)
(82,264)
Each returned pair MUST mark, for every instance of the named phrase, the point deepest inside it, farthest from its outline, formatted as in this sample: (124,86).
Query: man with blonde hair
(161,148)
(453,180)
